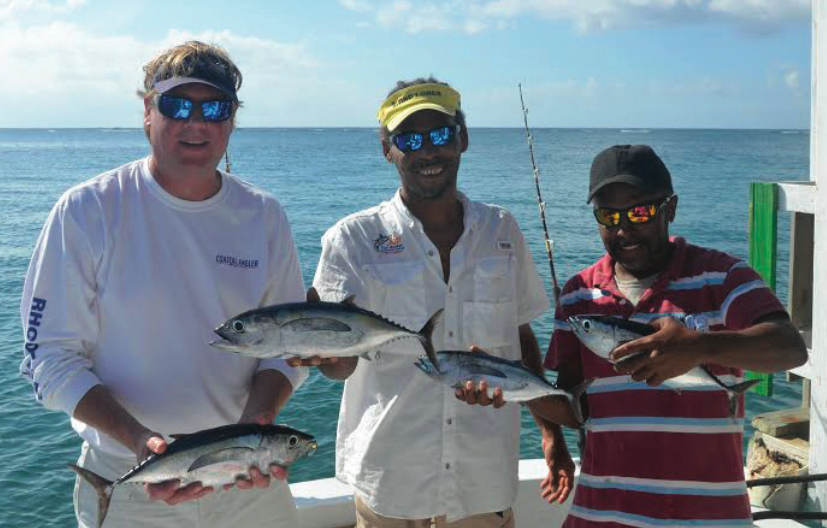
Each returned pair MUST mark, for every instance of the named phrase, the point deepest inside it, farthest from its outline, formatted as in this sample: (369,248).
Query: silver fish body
(602,334)
(310,329)
(213,457)
(517,382)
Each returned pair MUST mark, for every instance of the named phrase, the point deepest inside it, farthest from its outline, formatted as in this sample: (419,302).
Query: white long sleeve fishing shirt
(126,285)
(406,445)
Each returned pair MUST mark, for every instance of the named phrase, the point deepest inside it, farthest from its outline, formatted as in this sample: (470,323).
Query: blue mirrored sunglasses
(181,108)
(413,141)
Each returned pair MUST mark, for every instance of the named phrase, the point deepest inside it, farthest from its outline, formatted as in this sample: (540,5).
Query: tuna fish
(213,457)
(516,381)
(310,329)
(602,334)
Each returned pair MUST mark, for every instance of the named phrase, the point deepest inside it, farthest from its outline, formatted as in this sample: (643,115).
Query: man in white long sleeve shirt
(416,455)
(132,271)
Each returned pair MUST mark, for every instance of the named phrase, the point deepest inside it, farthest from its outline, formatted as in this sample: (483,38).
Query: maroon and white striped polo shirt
(654,456)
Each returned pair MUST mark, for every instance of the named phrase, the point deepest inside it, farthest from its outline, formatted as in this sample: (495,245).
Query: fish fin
(102,487)
(366,356)
(426,335)
(735,391)
(576,393)
(317,324)
(217,457)
(350,300)
(484,370)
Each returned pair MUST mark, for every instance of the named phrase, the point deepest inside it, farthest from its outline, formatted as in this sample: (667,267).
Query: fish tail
(426,335)
(735,391)
(576,392)
(102,487)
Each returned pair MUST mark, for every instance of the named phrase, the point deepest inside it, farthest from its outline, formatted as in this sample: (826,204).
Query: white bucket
(780,497)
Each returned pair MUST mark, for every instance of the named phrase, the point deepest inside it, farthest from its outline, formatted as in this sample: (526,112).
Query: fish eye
(293,441)
(238,326)
(587,325)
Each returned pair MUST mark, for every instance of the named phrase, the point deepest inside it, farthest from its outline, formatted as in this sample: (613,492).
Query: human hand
(256,479)
(315,361)
(169,491)
(478,395)
(671,351)
(560,479)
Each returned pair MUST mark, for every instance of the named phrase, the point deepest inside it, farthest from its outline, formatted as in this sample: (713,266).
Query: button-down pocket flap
(400,292)
(494,279)
(491,267)
(491,324)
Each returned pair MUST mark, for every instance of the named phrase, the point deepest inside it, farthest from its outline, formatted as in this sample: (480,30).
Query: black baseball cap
(636,165)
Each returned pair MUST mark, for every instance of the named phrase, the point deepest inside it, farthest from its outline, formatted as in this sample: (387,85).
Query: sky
(330,63)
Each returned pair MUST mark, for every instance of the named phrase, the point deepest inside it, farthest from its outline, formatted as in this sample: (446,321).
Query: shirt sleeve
(746,298)
(59,308)
(337,275)
(286,286)
(532,300)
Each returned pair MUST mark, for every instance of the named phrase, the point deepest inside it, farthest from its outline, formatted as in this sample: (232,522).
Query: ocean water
(320,175)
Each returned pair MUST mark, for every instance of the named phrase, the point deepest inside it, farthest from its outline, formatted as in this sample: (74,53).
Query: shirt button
(430,252)
(448,421)
(450,333)
(450,289)
(448,465)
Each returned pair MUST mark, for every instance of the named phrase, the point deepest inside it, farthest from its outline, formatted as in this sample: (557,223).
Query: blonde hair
(184,59)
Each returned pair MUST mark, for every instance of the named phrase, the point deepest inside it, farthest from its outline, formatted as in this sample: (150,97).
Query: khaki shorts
(131,507)
(367,518)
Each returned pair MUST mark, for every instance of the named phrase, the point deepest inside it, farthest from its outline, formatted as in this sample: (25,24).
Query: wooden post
(763,242)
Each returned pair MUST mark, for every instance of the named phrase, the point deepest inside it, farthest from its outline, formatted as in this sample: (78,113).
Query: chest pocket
(491,317)
(398,292)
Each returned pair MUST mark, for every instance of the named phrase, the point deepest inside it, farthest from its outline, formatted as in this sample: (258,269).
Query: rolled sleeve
(295,375)
(532,299)
(59,306)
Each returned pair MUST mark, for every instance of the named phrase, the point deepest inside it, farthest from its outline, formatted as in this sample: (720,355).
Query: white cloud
(355,5)
(792,80)
(473,16)
(12,9)
(54,67)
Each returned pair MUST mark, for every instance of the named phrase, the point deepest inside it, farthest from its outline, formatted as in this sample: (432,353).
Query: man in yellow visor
(414,451)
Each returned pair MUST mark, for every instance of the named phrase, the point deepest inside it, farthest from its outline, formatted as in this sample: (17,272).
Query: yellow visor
(406,101)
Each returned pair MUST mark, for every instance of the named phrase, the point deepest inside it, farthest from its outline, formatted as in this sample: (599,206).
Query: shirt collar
(605,268)
(471,214)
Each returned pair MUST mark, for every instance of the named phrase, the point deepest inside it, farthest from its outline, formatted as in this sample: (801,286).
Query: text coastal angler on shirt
(236,262)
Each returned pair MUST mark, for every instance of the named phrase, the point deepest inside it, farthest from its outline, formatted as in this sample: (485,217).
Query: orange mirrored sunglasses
(637,214)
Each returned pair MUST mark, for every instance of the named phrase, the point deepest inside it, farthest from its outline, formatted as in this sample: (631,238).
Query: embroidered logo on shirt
(388,245)
(236,262)
(504,245)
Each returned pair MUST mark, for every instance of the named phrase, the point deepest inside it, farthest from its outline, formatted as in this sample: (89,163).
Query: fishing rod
(540,203)
(228,166)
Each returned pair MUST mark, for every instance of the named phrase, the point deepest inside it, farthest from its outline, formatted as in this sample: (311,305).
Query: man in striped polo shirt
(655,456)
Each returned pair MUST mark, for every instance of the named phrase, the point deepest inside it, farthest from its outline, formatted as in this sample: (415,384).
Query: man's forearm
(765,347)
(100,410)
(269,391)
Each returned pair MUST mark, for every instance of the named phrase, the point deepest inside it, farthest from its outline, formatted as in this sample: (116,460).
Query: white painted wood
(818,174)
(797,197)
(327,503)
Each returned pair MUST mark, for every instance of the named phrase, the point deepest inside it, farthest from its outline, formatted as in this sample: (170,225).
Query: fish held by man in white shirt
(213,457)
(517,382)
(310,329)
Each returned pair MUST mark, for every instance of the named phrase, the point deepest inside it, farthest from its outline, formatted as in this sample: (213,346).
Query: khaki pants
(367,518)
(131,508)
